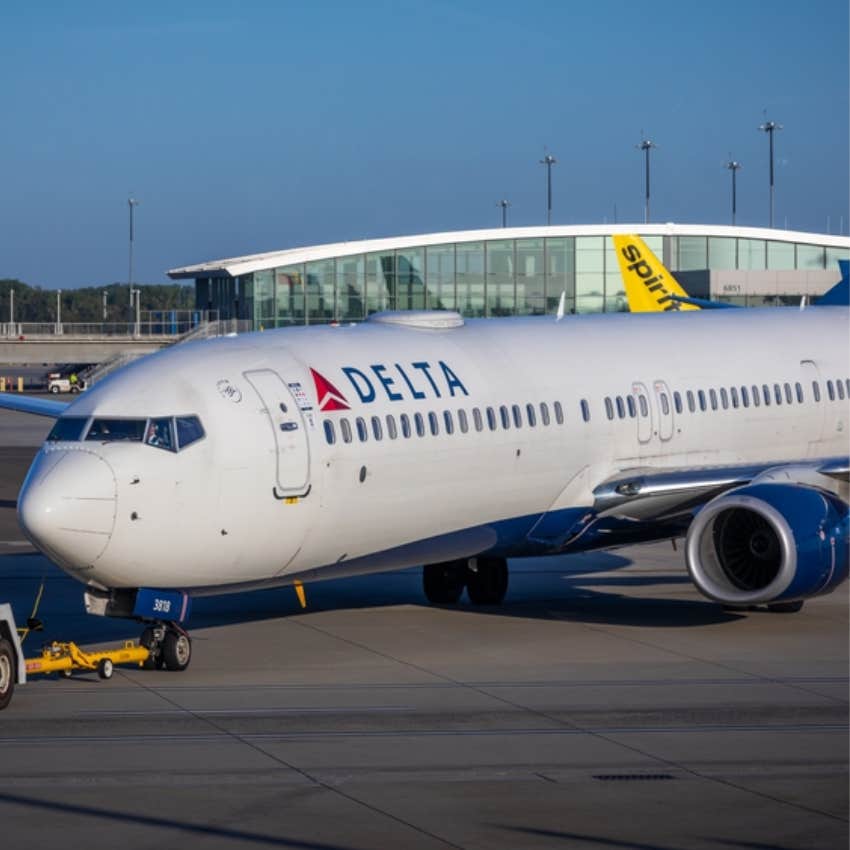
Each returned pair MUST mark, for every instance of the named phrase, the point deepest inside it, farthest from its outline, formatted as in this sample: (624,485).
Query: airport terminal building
(510,271)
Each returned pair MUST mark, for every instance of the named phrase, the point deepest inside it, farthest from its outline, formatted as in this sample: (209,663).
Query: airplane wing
(649,286)
(36,406)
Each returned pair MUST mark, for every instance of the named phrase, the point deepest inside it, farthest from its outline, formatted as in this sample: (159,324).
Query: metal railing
(152,323)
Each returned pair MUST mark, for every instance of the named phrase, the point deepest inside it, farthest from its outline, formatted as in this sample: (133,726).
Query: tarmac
(606,704)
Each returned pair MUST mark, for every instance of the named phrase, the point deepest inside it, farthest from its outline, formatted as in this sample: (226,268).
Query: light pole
(548,161)
(646,145)
(504,205)
(132,203)
(770,127)
(733,166)
(135,294)
(58,311)
(104,304)
(11,307)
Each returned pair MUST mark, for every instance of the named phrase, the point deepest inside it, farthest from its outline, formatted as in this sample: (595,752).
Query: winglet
(37,406)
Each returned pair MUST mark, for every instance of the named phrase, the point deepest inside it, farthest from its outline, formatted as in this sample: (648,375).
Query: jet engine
(769,543)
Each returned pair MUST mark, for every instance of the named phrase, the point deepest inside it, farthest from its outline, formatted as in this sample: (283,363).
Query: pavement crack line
(578,727)
(308,776)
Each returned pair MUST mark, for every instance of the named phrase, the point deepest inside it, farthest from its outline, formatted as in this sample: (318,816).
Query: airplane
(424,438)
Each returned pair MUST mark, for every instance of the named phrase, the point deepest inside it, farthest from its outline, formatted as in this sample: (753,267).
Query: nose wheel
(169,646)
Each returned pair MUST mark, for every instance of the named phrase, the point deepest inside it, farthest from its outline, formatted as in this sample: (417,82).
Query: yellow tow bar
(64,658)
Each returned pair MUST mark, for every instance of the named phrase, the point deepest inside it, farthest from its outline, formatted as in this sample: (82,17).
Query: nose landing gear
(169,647)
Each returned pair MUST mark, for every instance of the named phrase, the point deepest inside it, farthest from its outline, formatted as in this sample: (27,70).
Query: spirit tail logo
(330,398)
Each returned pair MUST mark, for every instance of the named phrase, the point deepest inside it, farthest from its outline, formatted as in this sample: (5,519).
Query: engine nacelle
(769,543)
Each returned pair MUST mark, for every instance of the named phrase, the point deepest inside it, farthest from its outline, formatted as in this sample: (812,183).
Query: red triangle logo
(330,398)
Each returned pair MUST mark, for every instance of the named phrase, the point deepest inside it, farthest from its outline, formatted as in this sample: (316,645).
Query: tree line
(34,304)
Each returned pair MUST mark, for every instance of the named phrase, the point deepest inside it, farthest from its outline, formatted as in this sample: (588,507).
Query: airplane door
(291,446)
(640,397)
(810,375)
(664,406)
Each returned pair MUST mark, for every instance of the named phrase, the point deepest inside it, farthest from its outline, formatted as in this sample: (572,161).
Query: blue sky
(252,126)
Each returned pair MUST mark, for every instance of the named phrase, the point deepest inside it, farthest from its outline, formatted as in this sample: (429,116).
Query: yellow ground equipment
(64,658)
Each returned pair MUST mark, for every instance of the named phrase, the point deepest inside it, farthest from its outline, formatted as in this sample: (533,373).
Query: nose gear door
(291,445)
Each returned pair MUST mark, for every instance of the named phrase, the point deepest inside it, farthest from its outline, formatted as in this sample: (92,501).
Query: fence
(152,323)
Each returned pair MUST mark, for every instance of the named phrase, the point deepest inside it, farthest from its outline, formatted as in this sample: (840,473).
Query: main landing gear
(169,647)
(485,580)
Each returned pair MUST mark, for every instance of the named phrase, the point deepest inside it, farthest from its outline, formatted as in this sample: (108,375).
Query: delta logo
(330,398)
(398,383)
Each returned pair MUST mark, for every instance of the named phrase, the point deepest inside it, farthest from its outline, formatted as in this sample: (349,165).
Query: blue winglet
(839,295)
(37,406)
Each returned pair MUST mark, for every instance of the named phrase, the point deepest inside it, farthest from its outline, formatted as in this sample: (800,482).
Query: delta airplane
(423,438)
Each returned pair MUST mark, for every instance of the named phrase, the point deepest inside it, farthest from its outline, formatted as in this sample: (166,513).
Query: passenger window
(665,404)
(330,436)
(449,423)
(376,427)
(503,412)
(765,391)
(799,389)
(491,418)
(559,413)
(544,413)
(756,396)
(847,386)
(621,408)
(517,416)
(434,423)
(404,421)
(733,395)
(362,432)
(690,397)
(677,401)
(712,397)
(788,396)
(420,424)
(462,421)
(112,430)
(532,418)
(345,428)
(745,397)
(816,390)
(392,431)
(777,393)
(840,387)
(609,408)
(67,428)
(830,391)
(644,407)
(585,410)
(476,418)
(630,404)
(701,397)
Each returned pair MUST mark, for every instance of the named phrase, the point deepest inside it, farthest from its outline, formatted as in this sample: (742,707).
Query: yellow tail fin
(648,284)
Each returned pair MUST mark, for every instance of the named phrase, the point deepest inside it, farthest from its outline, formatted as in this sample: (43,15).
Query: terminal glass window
(810,257)
(751,254)
(410,279)
(500,278)
(351,288)
(833,255)
(780,255)
(440,277)
(560,273)
(320,277)
(264,309)
(721,253)
(289,294)
(377,295)
(693,253)
(530,278)
(470,278)
(615,292)
(590,274)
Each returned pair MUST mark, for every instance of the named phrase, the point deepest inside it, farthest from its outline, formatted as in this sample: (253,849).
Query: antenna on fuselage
(561,303)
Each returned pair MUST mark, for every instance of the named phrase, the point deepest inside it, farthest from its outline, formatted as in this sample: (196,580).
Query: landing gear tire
(487,582)
(785,607)
(176,650)
(105,668)
(7,673)
(443,583)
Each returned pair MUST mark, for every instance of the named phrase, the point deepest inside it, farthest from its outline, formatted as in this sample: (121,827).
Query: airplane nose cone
(67,506)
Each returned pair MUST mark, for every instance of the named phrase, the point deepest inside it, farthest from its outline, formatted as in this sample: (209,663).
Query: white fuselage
(265,498)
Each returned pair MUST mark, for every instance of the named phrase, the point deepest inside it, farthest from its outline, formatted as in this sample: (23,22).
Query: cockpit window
(189,430)
(110,430)
(160,435)
(67,428)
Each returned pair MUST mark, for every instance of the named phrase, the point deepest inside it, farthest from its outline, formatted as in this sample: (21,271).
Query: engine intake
(768,542)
